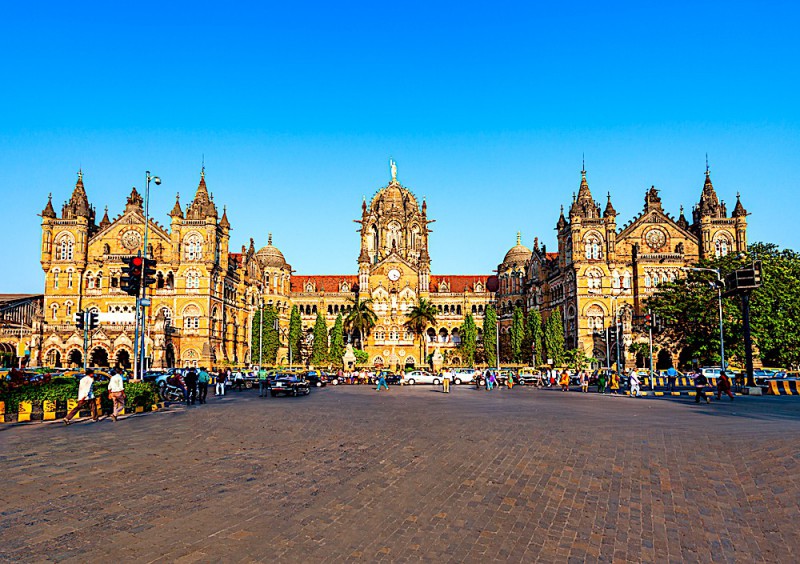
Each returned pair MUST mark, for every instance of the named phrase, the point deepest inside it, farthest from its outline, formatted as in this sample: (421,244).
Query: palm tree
(360,318)
(420,316)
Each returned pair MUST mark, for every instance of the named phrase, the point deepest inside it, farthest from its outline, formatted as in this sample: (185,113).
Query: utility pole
(650,328)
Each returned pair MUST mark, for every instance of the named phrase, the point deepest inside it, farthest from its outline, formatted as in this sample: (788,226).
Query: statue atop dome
(393,166)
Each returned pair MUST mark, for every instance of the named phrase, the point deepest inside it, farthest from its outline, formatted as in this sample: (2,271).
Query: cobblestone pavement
(411,474)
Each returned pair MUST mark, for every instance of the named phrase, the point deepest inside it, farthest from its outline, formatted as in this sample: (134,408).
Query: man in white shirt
(634,383)
(85,397)
(446,377)
(116,393)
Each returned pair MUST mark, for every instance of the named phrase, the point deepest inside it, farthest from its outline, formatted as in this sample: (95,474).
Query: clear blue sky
(486,107)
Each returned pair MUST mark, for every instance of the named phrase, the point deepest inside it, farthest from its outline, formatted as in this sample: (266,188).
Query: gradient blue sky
(486,107)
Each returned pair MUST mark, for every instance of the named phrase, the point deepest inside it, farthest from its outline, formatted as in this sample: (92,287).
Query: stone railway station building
(205,295)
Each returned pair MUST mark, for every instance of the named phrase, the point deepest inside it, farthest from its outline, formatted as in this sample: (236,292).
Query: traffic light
(757,273)
(648,321)
(94,320)
(131,279)
(149,272)
(79,319)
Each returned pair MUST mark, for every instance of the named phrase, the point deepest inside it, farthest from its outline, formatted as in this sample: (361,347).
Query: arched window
(55,279)
(721,245)
(192,280)
(169,283)
(167,316)
(647,280)
(54,308)
(68,307)
(69,279)
(593,246)
(191,317)
(595,318)
(193,245)
(65,246)
(98,281)
(594,280)
(615,281)
(626,280)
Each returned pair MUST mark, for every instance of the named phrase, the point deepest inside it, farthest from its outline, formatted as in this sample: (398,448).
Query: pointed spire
(269,239)
(48,210)
(78,205)
(202,206)
(519,238)
(176,209)
(364,205)
(105,222)
(709,202)
(223,222)
(609,211)
(739,210)
(562,222)
(424,206)
(682,222)
(252,250)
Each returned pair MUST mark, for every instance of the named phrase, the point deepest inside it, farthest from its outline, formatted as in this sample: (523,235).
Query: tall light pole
(141,302)
(260,329)
(616,330)
(719,286)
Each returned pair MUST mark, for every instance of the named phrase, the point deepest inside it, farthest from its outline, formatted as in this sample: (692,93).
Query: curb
(52,410)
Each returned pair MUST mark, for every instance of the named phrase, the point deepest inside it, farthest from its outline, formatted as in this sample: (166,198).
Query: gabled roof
(328,283)
(458,283)
(644,218)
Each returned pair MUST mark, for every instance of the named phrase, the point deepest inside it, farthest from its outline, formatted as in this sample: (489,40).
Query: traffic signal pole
(650,328)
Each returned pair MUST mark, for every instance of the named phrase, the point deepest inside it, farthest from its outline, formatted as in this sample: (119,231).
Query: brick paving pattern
(350,474)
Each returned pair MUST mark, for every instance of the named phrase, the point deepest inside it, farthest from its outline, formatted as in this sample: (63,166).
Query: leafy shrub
(65,388)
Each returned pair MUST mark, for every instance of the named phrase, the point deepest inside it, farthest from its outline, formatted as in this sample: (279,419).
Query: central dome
(393,196)
(518,254)
(270,255)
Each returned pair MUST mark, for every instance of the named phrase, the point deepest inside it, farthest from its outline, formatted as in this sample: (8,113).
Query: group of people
(86,398)
(194,384)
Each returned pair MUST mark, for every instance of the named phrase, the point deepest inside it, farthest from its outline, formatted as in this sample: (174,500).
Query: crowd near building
(205,296)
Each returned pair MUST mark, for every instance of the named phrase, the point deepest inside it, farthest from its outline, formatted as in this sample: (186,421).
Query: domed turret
(518,254)
(270,256)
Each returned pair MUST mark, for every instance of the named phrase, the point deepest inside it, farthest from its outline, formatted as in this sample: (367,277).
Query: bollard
(25,408)
(2,412)
(49,408)
(71,403)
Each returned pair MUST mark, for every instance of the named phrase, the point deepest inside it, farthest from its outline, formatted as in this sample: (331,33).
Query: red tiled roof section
(235,257)
(458,283)
(552,256)
(329,283)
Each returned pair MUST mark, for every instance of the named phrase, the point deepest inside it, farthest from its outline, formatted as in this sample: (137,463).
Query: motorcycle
(170,392)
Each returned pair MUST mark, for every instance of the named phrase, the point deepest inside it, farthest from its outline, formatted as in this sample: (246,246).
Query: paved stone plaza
(411,474)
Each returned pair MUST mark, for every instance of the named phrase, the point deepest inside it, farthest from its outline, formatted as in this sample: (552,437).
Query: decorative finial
(80,174)
(737,196)
(106,210)
(203,166)
(269,239)
(50,197)
(707,169)
(519,238)
(609,196)
(583,164)
(562,209)
(681,209)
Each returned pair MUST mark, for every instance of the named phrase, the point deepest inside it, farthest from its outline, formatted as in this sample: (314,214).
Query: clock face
(131,240)
(394,275)
(655,239)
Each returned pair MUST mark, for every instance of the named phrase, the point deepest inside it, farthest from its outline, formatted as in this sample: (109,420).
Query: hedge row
(62,389)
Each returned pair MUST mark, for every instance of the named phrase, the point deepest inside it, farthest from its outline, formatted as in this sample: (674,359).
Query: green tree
(532,339)
(554,337)
(577,359)
(362,357)
(295,334)
(360,318)
(419,317)
(337,341)
(269,345)
(517,334)
(469,338)
(490,335)
(319,348)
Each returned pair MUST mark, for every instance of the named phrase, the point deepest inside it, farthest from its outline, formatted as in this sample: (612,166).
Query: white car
(421,377)
(463,375)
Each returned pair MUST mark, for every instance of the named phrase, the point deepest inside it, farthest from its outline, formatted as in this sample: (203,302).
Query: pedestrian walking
(222,377)
(446,377)
(584,381)
(493,379)
(700,382)
(202,385)
(381,381)
(633,381)
(601,383)
(672,376)
(116,393)
(238,380)
(614,385)
(510,380)
(564,381)
(262,382)
(85,397)
(191,385)
(724,386)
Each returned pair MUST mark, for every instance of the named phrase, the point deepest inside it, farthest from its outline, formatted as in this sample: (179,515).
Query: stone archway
(75,358)
(664,360)
(99,357)
(53,358)
(123,359)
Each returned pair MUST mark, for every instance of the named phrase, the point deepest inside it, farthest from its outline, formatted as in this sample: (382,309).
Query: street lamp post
(719,286)
(260,329)
(142,288)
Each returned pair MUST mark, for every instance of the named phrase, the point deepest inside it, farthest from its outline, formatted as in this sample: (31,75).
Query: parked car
(315,378)
(288,385)
(421,377)
(463,375)
(530,376)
